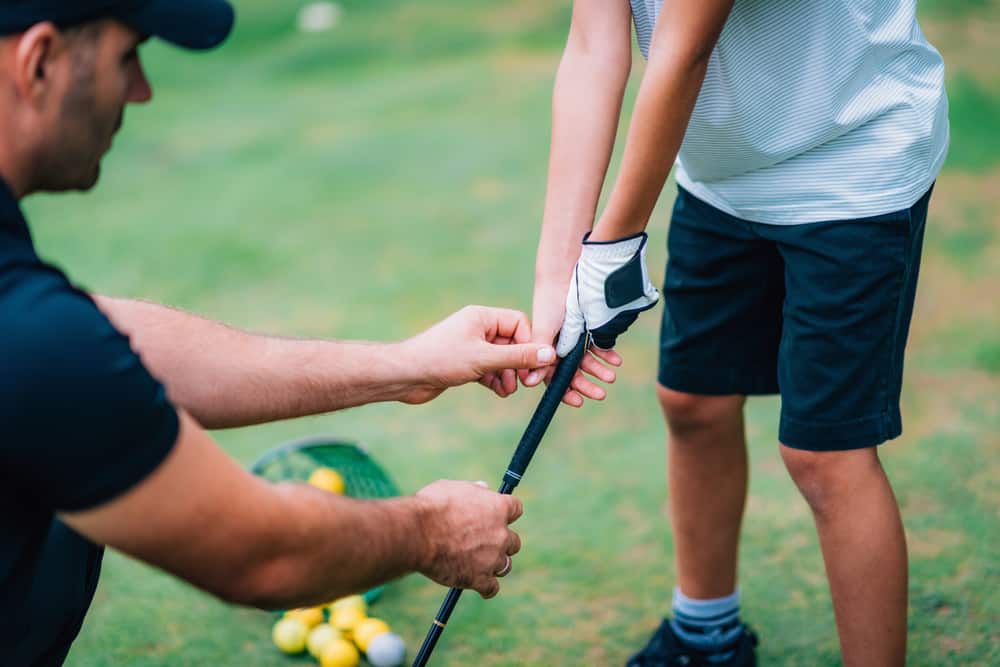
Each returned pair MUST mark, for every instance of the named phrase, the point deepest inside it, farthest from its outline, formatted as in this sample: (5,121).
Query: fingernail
(532,378)
(546,354)
(482,484)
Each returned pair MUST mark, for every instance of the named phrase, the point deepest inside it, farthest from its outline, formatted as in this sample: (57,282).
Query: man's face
(105,75)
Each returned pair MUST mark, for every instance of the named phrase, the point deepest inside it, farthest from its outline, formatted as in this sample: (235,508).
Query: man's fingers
(515,508)
(508,380)
(530,355)
(507,323)
(489,588)
(513,543)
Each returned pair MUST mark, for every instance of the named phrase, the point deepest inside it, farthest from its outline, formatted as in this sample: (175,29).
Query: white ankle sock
(710,626)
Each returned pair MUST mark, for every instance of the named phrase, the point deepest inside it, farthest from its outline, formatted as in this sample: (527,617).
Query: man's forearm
(252,542)
(339,546)
(225,377)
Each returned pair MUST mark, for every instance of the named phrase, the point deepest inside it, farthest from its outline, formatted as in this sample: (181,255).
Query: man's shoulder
(42,313)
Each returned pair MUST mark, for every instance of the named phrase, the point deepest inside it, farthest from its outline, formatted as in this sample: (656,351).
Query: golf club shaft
(515,471)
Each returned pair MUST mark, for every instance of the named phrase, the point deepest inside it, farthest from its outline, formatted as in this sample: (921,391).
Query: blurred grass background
(366,182)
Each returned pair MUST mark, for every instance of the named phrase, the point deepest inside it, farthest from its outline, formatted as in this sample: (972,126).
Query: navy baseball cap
(192,24)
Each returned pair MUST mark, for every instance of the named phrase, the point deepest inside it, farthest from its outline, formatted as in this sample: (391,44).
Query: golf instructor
(103,402)
(807,137)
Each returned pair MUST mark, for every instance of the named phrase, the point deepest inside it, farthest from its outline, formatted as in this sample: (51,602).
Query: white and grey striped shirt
(814,110)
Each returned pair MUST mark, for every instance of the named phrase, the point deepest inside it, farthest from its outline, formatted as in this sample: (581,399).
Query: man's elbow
(274,584)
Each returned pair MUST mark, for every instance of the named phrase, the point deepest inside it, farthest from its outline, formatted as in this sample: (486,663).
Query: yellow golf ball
(346,618)
(328,479)
(289,635)
(310,616)
(350,601)
(339,653)
(367,630)
(319,637)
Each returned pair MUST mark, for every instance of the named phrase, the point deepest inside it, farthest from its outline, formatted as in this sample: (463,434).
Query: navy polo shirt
(81,422)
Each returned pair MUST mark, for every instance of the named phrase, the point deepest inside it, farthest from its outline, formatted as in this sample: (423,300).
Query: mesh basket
(295,461)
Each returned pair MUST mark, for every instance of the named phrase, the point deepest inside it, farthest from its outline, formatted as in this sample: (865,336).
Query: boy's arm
(610,284)
(586,104)
(678,58)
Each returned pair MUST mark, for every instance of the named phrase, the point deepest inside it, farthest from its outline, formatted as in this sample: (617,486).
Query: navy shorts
(817,312)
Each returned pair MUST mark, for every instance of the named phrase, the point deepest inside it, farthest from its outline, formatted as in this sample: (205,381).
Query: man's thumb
(528,355)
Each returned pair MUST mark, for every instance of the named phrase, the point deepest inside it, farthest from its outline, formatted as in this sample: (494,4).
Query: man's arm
(586,104)
(225,377)
(204,519)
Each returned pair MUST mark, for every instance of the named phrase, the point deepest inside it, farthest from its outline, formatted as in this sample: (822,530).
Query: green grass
(974,108)
(365,183)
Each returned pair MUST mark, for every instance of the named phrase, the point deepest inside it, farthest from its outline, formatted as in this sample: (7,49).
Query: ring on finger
(505,570)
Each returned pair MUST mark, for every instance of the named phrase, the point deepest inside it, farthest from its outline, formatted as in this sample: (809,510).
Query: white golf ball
(386,650)
(318,16)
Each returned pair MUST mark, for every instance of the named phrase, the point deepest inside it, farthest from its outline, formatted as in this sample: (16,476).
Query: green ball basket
(296,460)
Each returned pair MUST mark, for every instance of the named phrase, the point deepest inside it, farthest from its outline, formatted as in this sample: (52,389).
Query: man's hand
(609,288)
(469,542)
(477,343)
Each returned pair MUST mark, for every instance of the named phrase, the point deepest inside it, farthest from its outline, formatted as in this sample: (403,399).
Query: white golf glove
(610,287)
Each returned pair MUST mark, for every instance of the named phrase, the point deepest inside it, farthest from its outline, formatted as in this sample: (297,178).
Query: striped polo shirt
(813,110)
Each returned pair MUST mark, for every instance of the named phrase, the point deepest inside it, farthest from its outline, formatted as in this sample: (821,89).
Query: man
(94,450)
(808,136)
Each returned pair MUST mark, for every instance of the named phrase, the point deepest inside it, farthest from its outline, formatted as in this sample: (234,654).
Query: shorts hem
(840,436)
(705,382)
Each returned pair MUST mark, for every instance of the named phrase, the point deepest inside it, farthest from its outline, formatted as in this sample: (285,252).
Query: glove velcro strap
(625,285)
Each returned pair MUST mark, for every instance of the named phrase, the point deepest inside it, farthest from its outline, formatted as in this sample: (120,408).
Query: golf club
(515,470)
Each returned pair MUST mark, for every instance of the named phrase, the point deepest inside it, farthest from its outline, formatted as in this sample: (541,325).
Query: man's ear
(34,55)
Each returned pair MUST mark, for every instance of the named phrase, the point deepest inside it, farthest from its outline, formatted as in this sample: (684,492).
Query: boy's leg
(850,288)
(864,549)
(707,485)
(719,342)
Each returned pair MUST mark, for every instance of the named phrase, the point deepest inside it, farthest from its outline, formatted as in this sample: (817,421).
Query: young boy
(807,137)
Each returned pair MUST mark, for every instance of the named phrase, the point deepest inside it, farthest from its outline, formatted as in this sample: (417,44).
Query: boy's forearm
(586,105)
(682,45)
(225,377)
(666,99)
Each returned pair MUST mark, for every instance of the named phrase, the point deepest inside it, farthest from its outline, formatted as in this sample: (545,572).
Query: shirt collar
(11,217)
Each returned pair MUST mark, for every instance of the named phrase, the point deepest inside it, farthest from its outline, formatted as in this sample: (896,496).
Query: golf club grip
(533,433)
(542,417)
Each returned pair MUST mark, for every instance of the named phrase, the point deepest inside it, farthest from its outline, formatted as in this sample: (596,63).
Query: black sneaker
(666,650)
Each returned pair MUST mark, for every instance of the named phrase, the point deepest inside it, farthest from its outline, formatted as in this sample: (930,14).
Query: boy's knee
(824,478)
(687,413)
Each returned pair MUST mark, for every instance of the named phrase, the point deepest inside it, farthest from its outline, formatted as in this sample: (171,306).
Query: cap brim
(192,24)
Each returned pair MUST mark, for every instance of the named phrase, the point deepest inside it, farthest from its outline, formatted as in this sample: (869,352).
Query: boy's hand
(609,288)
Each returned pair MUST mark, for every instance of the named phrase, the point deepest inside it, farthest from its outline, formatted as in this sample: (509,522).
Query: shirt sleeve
(83,420)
